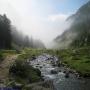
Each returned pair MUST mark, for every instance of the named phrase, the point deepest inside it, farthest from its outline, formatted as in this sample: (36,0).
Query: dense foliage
(5,32)
(11,38)
(1,56)
(22,72)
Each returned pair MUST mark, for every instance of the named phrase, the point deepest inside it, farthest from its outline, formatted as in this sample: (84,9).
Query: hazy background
(41,19)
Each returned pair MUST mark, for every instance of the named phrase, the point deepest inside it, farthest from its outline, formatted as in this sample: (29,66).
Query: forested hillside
(5,32)
(78,35)
(11,38)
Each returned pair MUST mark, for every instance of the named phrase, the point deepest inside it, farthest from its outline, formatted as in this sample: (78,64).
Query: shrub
(1,56)
(22,70)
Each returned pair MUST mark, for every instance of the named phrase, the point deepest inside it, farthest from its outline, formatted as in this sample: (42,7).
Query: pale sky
(42,19)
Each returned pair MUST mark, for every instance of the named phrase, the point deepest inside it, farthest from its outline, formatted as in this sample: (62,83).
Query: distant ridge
(78,35)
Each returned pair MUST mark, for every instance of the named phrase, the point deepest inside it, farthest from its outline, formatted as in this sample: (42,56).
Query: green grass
(6,53)
(77,59)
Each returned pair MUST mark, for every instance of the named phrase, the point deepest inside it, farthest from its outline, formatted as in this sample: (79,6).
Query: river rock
(67,75)
(54,72)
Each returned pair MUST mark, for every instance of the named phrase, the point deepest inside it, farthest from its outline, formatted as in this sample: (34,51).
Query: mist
(28,16)
(77,32)
(43,20)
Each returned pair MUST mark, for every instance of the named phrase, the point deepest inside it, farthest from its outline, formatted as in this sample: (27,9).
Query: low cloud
(33,20)
(58,17)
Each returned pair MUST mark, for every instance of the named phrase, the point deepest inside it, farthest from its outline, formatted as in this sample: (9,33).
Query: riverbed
(49,71)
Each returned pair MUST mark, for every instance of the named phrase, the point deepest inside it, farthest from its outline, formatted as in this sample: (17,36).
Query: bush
(87,61)
(1,56)
(38,72)
(22,70)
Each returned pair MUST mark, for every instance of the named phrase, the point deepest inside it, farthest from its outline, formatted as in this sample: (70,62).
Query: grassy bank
(78,59)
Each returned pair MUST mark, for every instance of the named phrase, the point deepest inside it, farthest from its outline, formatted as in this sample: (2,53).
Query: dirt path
(4,66)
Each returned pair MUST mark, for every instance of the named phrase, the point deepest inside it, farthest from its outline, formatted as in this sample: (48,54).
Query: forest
(11,38)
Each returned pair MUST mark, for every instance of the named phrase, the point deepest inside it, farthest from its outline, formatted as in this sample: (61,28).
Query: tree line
(11,38)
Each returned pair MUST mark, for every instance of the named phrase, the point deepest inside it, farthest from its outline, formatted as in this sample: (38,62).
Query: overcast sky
(42,19)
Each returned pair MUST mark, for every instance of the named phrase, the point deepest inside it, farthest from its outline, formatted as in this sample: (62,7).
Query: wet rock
(42,77)
(54,72)
(33,57)
(40,66)
(71,71)
(36,66)
(59,65)
(43,64)
(59,70)
(64,71)
(54,65)
(67,75)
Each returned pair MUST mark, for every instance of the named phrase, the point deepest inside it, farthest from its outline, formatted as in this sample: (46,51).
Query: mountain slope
(78,35)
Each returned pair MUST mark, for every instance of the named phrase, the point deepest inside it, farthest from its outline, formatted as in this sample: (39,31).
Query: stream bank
(49,71)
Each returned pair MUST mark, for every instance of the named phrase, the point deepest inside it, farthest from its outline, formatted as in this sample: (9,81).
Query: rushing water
(43,62)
